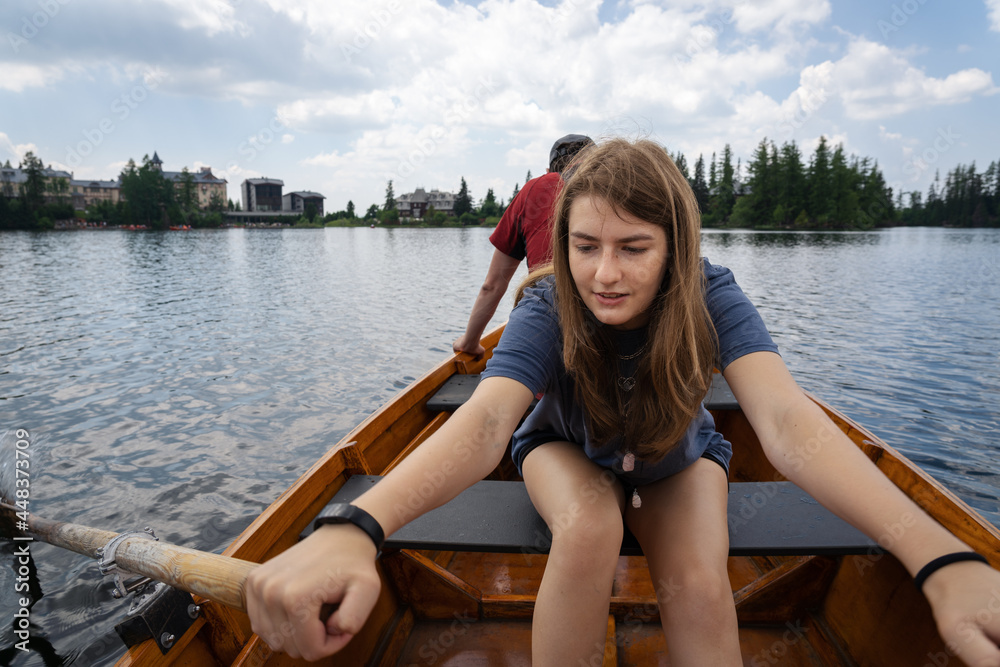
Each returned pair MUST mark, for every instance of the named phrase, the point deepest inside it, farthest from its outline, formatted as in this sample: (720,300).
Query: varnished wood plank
(500,574)
(432,426)
(192,649)
(355,462)
(256,653)
(508,605)
(228,630)
(825,644)
(743,570)
(391,648)
(878,614)
(432,591)
(789,643)
(788,591)
(461,642)
(610,658)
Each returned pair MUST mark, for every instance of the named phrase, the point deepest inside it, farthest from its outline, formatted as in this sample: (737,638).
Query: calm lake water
(182,380)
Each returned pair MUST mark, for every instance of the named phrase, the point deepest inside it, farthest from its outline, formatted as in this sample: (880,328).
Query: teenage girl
(621,335)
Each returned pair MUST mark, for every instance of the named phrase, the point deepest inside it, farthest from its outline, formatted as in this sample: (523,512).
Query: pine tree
(762,181)
(186,193)
(723,197)
(844,179)
(463,202)
(698,185)
(819,184)
(390,198)
(791,180)
(150,197)
(489,208)
(33,190)
(682,164)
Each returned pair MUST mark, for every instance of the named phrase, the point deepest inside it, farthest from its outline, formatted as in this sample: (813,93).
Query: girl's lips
(609,298)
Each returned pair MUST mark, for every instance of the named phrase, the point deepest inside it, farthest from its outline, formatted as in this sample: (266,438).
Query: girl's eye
(584,248)
(634,251)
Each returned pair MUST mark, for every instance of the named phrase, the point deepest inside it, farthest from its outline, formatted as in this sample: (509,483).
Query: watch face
(339,511)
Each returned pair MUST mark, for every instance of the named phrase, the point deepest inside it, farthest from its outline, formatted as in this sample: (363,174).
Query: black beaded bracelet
(938,563)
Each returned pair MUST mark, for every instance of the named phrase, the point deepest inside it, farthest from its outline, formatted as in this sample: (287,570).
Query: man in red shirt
(523,231)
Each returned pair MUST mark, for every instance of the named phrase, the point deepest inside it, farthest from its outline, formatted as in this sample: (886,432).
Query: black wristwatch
(346,513)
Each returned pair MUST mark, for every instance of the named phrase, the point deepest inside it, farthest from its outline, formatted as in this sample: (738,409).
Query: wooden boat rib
(465,608)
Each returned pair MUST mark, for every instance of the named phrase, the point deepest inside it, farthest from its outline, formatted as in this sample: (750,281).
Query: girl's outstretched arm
(844,480)
(334,568)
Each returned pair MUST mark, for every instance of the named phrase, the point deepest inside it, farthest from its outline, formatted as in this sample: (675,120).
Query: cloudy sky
(340,96)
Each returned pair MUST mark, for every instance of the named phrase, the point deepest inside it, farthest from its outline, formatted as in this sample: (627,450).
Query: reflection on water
(900,329)
(184,380)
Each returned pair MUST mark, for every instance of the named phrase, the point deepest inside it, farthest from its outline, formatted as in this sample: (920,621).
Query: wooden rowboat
(451,607)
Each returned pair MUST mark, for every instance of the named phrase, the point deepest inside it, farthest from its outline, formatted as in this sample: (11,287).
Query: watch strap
(346,513)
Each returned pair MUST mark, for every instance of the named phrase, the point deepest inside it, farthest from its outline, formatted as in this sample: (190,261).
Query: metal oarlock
(157,612)
(107,564)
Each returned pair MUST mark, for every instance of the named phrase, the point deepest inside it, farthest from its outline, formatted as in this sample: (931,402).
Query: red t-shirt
(525,230)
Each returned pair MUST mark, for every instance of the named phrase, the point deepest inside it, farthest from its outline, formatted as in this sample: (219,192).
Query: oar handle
(218,578)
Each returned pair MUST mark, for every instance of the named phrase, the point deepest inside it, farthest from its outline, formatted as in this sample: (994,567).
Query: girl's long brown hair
(674,374)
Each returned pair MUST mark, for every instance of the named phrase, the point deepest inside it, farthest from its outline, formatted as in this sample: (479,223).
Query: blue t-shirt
(530,351)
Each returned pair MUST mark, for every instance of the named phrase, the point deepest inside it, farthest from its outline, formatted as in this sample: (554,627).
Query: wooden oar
(218,578)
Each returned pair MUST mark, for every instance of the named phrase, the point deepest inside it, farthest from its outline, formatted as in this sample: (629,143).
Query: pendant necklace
(626,384)
(628,465)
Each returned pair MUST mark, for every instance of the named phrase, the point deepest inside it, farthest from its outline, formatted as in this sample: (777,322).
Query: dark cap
(565,148)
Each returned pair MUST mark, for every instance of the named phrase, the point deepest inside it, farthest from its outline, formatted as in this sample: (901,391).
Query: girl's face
(617,261)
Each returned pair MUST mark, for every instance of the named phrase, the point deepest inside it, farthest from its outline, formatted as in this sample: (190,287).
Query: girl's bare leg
(582,505)
(684,534)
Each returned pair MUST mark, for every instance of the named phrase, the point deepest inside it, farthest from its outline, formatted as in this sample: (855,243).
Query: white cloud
(17,76)
(993,10)
(14,152)
(886,135)
(371,108)
(401,153)
(779,14)
(214,16)
(874,82)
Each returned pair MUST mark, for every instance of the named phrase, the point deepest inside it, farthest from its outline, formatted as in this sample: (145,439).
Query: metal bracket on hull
(158,612)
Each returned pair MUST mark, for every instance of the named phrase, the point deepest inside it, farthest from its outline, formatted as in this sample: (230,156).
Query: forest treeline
(778,188)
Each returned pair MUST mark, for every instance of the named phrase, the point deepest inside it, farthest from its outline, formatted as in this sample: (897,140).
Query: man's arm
(502,268)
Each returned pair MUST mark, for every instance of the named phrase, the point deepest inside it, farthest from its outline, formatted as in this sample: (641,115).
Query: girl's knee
(594,537)
(695,592)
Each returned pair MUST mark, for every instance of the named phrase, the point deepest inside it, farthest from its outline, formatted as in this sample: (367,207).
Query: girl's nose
(607,272)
